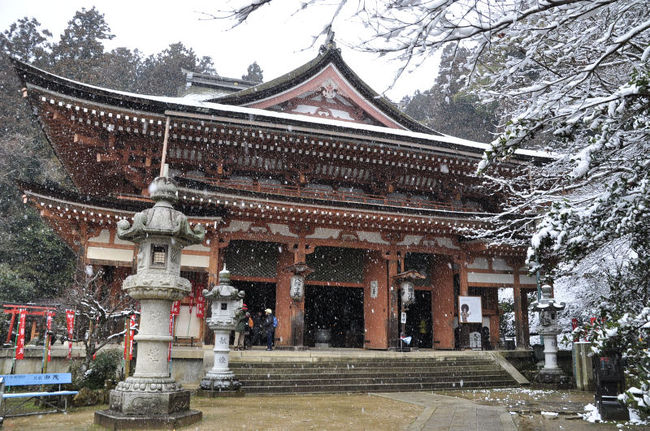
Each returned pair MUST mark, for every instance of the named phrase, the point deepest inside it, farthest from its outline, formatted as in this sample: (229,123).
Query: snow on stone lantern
(151,397)
(226,299)
(549,328)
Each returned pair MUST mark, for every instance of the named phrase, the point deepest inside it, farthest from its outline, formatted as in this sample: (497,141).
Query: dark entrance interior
(259,297)
(339,309)
(418,320)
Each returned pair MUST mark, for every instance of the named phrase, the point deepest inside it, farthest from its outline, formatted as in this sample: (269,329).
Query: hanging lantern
(408,292)
(297,291)
(297,286)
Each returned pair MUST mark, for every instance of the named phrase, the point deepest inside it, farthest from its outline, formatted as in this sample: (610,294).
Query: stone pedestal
(219,378)
(151,398)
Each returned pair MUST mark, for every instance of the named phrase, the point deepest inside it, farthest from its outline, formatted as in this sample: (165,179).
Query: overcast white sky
(278,41)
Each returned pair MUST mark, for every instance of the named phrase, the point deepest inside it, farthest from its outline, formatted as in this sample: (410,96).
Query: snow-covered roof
(189,107)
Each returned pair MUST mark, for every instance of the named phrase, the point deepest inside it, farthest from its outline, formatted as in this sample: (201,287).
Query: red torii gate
(31,310)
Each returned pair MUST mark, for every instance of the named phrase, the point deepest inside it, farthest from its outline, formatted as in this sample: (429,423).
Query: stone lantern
(151,398)
(225,301)
(548,327)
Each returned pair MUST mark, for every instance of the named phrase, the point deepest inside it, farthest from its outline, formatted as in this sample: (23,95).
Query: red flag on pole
(20,343)
(176,308)
(171,334)
(50,318)
(133,323)
(69,320)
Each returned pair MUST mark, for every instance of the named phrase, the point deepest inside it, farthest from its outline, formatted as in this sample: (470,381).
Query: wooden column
(392,292)
(442,299)
(215,264)
(461,263)
(297,308)
(284,305)
(375,310)
(524,318)
(519,304)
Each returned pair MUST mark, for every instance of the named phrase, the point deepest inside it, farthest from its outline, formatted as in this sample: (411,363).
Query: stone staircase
(370,374)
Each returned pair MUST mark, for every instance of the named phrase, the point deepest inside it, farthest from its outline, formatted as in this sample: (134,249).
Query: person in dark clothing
(269,327)
(257,331)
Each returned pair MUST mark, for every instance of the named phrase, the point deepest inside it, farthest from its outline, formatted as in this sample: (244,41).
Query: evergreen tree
(449,106)
(79,54)
(161,73)
(254,73)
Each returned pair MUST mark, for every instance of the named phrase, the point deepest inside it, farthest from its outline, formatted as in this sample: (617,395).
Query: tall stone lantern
(548,309)
(225,301)
(151,398)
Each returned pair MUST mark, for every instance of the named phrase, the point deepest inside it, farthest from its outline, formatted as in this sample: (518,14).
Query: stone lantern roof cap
(162,219)
(224,290)
(547,301)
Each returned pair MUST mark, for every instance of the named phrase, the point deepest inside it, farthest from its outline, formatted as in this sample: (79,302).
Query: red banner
(176,308)
(171,334)
(133,325)
(128,338)
(69,321)
(50,318)
(200,303)
(20,343)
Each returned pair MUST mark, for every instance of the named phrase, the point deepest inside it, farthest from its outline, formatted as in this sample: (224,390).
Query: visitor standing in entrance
(241,323)
(270,323)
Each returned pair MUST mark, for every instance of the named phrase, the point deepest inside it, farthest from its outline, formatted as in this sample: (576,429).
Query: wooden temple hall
(313,167)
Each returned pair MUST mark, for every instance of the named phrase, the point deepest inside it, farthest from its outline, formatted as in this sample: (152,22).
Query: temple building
(312,168)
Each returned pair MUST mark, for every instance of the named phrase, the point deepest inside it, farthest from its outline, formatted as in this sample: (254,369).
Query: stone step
(374,368)
(367,380)
(401,387)
(376,363)
(379,373)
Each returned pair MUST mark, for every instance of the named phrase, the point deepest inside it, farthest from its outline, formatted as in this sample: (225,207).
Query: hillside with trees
(34,261)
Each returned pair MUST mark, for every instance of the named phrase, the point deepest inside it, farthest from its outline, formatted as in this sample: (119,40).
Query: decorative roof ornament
(329,42)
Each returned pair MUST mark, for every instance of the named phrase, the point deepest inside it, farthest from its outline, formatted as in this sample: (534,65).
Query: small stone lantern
(225,301)
(151,397)
(548,327)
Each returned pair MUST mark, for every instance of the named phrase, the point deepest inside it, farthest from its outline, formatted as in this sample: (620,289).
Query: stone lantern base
(152,405)
(119,421)
(220,385)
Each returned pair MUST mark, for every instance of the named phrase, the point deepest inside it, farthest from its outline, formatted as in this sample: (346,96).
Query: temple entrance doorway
(259,296)
(418,320)
(336,312)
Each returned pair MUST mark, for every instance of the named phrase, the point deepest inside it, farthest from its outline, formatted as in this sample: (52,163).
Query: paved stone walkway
(443,413)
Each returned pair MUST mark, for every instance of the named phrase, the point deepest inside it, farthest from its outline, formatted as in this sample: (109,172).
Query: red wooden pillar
(285,307)
(375,302)
(442,298)
(393,292)
(461,263)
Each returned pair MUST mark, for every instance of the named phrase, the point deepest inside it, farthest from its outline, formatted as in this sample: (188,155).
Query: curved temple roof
(180,107)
